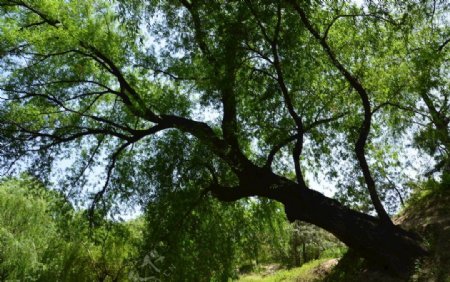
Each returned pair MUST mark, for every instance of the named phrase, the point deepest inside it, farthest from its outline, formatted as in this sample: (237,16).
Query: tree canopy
(231,99)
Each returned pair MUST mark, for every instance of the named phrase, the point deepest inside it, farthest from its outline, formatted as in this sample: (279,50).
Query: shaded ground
(312,271)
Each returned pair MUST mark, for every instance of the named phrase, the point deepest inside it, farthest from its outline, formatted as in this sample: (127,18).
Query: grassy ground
(308,272)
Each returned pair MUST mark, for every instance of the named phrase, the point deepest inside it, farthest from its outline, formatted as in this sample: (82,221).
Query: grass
(303,273)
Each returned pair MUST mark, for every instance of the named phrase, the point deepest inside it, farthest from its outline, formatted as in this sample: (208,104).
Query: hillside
(428,214)
(430,217)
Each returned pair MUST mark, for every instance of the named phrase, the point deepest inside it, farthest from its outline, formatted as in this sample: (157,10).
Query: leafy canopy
(155,96)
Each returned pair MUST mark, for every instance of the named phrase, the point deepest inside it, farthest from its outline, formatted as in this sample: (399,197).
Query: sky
(320,182)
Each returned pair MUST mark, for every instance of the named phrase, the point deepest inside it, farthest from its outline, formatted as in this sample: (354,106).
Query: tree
(26,231)
(230,235)
(43,239)
(229,96)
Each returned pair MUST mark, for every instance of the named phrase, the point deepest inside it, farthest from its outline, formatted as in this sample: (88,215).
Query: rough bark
(386,245)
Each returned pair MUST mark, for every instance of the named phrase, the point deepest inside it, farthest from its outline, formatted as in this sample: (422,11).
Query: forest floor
(427,213)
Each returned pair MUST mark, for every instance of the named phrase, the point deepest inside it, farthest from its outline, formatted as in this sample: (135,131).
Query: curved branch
(277,148)
(126,87)
(84,131)
(400,107)
(294,137)
(333,21)
(112,164)
(44,17)
(319,122)
(366,125)
(108,64)
(284,90)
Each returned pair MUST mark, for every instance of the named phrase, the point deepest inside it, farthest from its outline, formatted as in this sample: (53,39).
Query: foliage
(308,242)
(232,236)
(42,241)
(26,232)
(45,239)
(167,103)
(64,86)
(226,235)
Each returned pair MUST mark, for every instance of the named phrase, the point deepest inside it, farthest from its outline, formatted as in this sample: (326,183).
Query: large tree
(229,97)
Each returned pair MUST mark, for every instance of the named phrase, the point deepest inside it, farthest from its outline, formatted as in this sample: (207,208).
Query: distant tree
(308,242)
(226,235)
(26,231)
(43,239)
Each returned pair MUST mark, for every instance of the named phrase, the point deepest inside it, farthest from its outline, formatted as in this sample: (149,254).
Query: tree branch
(366,125)
(319,122)
(442,46)
(229,194)
(99,195)
(294,137)
(399,106)
(372,15)
(45,18)
(225,82)
(222,147)
(284,90)
(277,148)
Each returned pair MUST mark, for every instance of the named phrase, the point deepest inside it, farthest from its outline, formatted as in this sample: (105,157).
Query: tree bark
(388,246)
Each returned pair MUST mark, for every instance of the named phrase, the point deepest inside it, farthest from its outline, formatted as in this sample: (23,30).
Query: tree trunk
(384,244)
(305,260)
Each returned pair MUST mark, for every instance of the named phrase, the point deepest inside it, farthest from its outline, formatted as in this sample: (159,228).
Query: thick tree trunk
(384,244)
